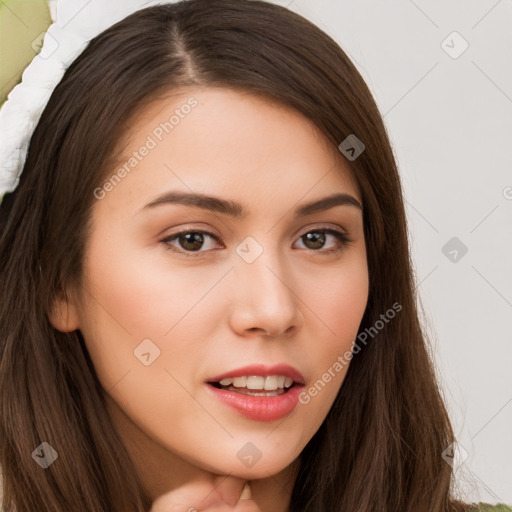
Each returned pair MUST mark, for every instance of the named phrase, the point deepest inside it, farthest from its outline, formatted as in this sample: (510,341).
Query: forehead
(228,142)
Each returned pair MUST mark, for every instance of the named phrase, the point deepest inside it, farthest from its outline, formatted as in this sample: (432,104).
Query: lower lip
(260,408)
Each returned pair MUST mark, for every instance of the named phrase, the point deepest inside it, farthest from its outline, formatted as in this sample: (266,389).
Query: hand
(222,494)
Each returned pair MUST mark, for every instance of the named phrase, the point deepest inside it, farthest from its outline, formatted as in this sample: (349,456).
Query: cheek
(149,322)
(140,322)
(337,298)
(145,292)
(336,308)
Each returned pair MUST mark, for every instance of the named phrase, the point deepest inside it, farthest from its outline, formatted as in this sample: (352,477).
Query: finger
(230,489)
(246,492)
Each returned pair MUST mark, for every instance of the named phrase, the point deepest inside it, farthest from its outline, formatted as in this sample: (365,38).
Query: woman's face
(255,282)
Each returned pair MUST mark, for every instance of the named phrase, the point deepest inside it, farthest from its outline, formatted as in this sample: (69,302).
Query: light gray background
(450,123)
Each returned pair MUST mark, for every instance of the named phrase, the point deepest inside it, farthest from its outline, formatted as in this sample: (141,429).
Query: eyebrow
(235,209)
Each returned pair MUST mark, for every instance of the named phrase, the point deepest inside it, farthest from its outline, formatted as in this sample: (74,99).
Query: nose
(263,298)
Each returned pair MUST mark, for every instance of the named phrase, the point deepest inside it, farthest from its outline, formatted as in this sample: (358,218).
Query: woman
(207,296)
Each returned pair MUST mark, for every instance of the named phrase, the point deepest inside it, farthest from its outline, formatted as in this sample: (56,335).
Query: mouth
(259,392)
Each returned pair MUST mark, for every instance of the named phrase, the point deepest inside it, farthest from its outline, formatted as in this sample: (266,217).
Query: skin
(214,312)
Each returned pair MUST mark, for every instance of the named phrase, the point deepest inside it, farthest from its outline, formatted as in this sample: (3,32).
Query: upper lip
(264,371)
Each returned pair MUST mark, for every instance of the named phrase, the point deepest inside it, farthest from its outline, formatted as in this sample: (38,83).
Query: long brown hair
(379,448)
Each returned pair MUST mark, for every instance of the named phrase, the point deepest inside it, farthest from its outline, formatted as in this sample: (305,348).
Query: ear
(64,316)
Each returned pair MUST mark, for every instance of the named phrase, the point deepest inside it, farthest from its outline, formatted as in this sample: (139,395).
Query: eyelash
(340,235)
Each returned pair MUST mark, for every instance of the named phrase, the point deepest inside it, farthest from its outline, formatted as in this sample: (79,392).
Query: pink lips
(260,408)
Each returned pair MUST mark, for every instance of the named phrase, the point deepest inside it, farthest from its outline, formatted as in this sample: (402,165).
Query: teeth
(255,383)
(270,383)
(240,382)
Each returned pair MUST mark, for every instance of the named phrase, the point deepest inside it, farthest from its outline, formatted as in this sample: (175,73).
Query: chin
(254,468)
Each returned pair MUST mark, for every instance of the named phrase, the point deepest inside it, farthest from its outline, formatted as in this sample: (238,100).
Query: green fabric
(23,24)
(485,507)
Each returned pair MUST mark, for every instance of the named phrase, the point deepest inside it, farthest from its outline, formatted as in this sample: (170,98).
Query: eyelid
(299,233)
(321,226)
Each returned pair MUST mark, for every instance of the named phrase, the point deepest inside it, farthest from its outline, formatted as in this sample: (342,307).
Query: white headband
(75,23)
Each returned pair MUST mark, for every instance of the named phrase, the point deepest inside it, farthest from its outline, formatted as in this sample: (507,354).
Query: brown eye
(189,241)
(316,239)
